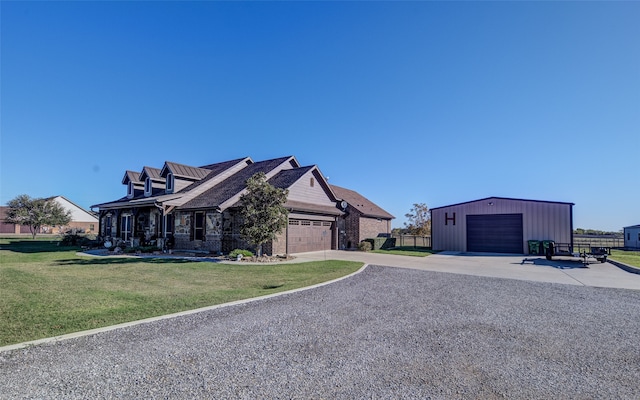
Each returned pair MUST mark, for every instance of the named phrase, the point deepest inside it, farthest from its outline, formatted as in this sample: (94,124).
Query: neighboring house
(11,228)
(500,225)
(197,208)
(81,219)
(362,218)
(632,237)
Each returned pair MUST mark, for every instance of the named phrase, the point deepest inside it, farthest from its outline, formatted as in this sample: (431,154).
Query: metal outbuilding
(500,225)
(632,237)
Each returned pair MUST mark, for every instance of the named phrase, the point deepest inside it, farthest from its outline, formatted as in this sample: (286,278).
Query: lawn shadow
(35,246)
(559,264)
(129,260)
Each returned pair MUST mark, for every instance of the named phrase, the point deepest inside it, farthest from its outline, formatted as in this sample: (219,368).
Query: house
(500,225)
(362,218)
(6,227)
(197,208)
(632,237)
(81,219)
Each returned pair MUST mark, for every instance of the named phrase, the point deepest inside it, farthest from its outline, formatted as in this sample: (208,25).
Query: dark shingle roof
(288,177)
(219,167)
(231,186)
(360,203)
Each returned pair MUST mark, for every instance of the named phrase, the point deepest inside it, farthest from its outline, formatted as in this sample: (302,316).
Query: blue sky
(404,102)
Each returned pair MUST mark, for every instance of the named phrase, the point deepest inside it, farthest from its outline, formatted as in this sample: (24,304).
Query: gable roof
(288,177)
(78,214)
(152,173)
(131,176)
(235,185)
(360,203)
(502,198)
(221,185)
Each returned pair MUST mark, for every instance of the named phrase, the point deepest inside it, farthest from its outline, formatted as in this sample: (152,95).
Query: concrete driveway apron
(512,266)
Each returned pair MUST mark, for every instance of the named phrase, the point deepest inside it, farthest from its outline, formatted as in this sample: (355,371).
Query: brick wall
(357,228)
(371,227)
(352,229)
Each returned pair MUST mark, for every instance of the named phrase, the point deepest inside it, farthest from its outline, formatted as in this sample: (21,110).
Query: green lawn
(47,290)
(627,257)
(407,251)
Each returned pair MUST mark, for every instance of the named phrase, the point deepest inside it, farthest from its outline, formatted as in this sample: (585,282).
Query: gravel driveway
(384,333)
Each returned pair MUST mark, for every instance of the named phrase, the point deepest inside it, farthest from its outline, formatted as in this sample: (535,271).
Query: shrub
(364,246)
(381,243)
(244,253)
(73,239)
(141,249)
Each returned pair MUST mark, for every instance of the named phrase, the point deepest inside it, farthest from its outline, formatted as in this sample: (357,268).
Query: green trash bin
(534,247)
(545,246)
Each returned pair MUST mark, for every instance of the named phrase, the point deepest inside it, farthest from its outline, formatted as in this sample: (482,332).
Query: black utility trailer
(583,251)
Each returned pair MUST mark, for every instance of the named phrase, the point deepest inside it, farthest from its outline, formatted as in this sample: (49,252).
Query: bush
(244,253)
(381,243)
(141,249)
(73,239)
(364,246)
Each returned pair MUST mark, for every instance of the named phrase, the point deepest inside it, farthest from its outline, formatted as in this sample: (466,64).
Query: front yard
(48,290)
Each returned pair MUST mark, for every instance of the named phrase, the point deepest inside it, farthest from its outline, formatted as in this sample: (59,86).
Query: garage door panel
(308,235)
(495,233)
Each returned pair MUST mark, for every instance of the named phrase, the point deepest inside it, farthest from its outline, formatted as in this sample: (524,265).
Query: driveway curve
(383,333)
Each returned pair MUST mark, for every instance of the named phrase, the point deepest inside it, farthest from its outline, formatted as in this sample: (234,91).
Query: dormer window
(147,187)
(130,191)
(169,186)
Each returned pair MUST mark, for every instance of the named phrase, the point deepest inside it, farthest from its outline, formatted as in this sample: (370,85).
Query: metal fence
(598,241)
(583,240)
(412,241)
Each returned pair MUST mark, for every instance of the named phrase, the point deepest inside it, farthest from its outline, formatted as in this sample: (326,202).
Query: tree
(418,220)
(263,213)
(36,213)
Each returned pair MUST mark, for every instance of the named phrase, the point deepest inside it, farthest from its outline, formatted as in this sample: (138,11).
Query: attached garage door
(495,233)
(308,235)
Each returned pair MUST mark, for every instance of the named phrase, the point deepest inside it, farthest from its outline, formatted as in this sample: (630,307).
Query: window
(92,227)
(157,221)
(125,227)
(147,187)
(130,191)
(169,220)
(169,186)
(107,226)
(198,229)
(311,182)
(628,235)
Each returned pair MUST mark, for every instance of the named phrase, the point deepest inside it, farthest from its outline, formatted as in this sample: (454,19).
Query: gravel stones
(383,333)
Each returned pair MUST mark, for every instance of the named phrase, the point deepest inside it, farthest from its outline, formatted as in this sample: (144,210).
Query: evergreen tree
(263,213)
